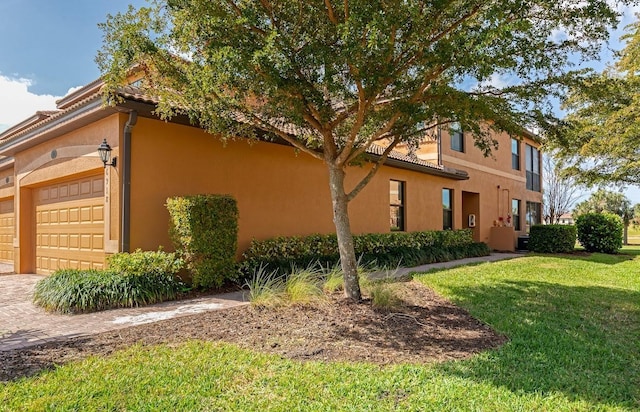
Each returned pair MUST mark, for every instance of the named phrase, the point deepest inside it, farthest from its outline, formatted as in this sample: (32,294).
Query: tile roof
(93,90)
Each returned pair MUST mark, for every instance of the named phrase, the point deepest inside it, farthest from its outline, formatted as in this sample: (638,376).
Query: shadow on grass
(583,342)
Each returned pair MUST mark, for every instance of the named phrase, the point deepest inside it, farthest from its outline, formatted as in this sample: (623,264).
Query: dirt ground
(424,328)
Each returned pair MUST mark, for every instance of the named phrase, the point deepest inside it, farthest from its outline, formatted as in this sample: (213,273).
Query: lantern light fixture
(104,150)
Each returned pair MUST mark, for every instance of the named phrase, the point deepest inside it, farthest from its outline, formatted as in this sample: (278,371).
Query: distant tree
(611,202)
(560,191)
(636,215)
(333,78)
(600,136)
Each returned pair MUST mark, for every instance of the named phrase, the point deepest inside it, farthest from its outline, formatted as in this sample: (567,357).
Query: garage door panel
(7,230)
(70,226)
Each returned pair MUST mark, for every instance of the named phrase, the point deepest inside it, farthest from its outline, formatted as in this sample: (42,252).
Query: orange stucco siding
(493,178)
(279,192)
(68,156)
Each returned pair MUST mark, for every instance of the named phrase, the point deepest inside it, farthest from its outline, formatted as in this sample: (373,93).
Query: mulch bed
(425,328)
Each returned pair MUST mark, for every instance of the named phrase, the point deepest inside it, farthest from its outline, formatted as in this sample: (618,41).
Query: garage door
(70,225)
(7,225)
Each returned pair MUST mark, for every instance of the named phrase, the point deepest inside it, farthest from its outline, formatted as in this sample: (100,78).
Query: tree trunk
(625,234)
(343,231)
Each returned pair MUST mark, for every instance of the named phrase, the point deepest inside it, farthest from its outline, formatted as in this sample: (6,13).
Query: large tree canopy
(332,78)
(600,137)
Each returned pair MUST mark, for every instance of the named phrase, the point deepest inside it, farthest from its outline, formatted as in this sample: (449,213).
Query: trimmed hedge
(204,230)
(600,232)
(552,238)
(377,249)
(135,279)
(145,263)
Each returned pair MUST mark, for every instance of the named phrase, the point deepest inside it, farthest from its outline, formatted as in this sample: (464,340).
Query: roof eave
(81,116)
(449,173)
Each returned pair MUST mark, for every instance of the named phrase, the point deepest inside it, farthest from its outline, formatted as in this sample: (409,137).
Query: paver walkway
(22,324)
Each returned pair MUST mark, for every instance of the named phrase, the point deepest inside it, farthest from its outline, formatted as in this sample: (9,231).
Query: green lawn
(573,324)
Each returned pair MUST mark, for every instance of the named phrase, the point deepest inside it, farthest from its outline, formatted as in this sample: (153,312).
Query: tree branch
(332,16)
(457,23)
(376,136)
(285,136)
(354,192)
(238,11)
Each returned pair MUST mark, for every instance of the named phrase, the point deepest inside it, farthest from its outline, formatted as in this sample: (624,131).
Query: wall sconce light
(104,150)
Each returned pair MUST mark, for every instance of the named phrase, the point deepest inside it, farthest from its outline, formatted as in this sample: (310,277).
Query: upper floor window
(533,168)
(515,154)
(396,201)
(457,137)
(447,209)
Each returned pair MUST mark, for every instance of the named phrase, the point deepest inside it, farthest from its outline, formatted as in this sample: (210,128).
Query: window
(396,196)
(457,137)
(515,214)
(515,154)
(447,209)
(533,214)
(533,168)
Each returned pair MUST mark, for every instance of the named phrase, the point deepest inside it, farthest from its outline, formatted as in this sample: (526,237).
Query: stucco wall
(68,156)
(279,191)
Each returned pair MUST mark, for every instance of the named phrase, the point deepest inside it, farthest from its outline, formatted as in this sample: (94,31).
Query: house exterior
(61,207)
(566,219)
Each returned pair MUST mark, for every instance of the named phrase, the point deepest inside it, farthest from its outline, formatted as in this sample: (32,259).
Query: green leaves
(600,232)
(601,133)
(204,229)
(391,66)
(552,238)
(379,249)
(126,285)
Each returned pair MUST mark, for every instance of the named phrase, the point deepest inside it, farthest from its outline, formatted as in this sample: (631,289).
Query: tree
(332,78)
(611,202)
(560,191)
(600,136)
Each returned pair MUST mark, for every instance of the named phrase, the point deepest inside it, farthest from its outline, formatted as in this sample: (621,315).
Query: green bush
(600,232)
(552,238)
(204,230)
(375,249)
(145,263)
(77,291)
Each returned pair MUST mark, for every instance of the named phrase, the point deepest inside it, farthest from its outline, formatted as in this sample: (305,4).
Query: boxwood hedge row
(552,238)
(375,249)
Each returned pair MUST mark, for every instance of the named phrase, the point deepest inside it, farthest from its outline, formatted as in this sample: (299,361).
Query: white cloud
(17,103)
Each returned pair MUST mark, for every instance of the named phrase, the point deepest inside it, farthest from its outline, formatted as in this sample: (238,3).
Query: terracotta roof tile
(94,89)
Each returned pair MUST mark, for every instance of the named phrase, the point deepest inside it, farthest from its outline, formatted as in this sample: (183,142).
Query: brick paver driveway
(23,324)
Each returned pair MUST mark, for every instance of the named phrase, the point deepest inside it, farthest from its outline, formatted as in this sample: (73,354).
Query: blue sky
(47,48)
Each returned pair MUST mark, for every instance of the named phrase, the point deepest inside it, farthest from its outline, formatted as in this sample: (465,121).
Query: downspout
(439,144)
(126,182)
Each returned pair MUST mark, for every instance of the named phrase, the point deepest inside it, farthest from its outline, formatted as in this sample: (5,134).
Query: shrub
(304,286)
(552,238)
(204,229)
(376,249)
(265,288)
(77,291)
(600,232)
(334,280)
(383,296)
(145,263)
